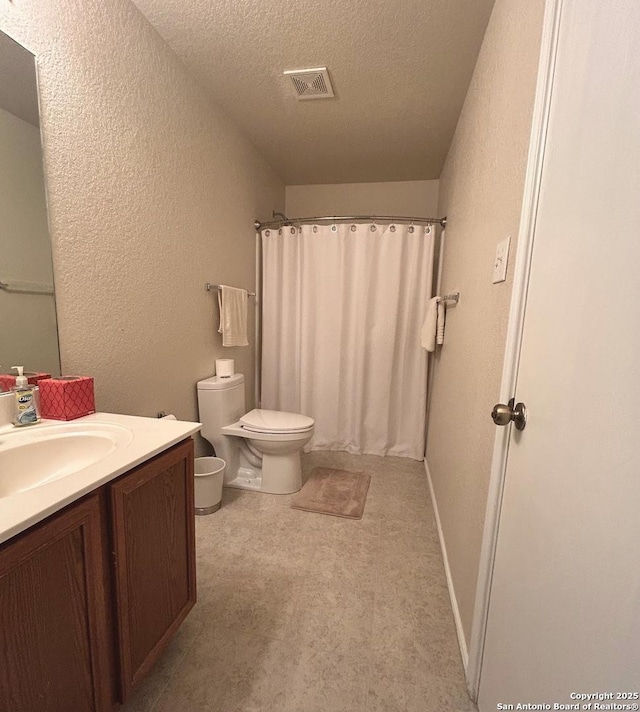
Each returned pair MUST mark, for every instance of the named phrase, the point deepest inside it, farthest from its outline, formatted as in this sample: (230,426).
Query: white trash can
(209,474)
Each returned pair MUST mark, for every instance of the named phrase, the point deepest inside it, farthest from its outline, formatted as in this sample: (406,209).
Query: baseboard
(447,570)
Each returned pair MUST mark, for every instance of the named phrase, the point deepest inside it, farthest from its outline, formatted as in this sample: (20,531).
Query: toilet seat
(275,421)
(239,431)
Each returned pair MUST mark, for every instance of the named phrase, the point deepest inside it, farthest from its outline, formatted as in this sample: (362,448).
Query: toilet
(262,447)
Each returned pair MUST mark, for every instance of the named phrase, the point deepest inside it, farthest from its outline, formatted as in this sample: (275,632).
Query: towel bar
(453,297)
(208,286)
(27,288)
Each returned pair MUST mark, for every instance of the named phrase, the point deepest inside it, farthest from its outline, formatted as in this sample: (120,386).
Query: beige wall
(27,321)
(415,197)
(481,192)
(152,193)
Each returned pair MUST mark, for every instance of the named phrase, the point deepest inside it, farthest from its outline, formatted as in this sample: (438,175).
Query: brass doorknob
(503,414)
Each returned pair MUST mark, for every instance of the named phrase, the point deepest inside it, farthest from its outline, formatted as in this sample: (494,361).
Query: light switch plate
(500,262)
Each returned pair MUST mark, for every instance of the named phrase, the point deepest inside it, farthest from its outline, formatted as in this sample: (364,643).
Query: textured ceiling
(400,71)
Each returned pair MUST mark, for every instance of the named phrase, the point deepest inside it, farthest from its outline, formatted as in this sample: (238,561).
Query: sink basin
(37,457)
(47,466)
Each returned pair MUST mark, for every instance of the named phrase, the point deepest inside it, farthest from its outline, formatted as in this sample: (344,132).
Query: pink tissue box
(8,380)
(67,397)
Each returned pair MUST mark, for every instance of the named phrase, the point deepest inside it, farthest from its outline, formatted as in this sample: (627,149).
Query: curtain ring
(392,228)
(293,231)
(315,228)
(353,228)
(334,228)
(267,233)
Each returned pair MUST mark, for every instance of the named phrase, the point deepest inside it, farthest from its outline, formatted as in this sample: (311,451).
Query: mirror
(28,326)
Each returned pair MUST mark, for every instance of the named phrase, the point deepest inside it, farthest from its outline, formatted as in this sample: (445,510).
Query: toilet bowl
(262,447)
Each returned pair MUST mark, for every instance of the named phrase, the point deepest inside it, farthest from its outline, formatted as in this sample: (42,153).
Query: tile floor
(303,612)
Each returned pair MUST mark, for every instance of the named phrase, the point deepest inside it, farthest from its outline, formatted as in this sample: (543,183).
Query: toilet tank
(220,402)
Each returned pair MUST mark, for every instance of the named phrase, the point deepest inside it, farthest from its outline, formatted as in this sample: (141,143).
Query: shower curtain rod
(350,218)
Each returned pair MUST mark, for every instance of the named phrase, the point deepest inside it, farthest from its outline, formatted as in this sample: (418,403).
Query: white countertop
(143,438)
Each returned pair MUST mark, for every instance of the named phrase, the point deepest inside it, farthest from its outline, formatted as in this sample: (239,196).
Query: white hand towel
(233,316)
(442,311)
(428,333)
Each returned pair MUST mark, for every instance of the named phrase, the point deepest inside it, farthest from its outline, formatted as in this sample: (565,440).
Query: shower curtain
(342,310)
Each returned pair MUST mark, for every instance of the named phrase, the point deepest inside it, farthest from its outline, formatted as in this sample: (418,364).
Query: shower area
(343,301)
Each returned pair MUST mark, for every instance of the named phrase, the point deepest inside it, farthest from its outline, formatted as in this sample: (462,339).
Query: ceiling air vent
(311,83)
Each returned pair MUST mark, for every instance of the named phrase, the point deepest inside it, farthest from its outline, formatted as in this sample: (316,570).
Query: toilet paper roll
(224,367)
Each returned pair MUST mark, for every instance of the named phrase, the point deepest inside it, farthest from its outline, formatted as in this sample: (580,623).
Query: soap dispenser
(26,409)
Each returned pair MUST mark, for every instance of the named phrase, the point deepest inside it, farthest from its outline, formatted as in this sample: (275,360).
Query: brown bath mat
(340,493)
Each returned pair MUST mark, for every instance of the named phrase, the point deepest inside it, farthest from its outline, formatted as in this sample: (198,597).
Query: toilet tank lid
(217,383)
(275,421)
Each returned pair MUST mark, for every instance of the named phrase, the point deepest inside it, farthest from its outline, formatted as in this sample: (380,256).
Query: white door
(564,611)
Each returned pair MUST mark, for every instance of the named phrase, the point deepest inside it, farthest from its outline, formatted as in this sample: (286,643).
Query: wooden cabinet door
(154,541)
(53,632)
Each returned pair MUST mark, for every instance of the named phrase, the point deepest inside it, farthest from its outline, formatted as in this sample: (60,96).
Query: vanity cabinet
(54,634)
(155,580)
(90,597)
